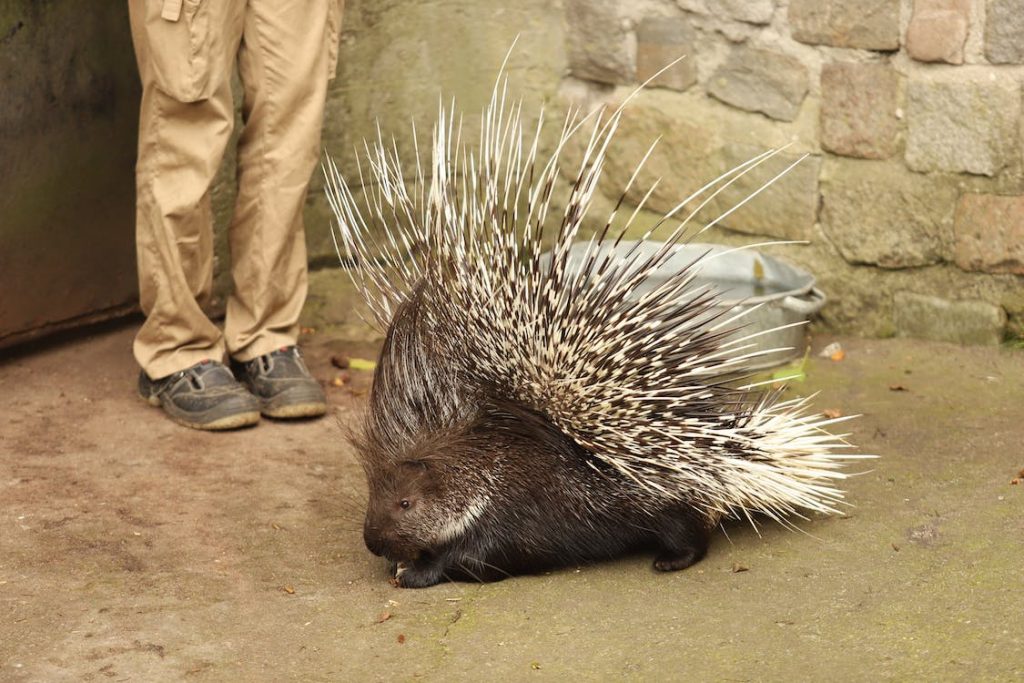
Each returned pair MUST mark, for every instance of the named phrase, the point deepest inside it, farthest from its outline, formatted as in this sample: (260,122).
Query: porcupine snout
(390,543)
(384,537)
(375,541)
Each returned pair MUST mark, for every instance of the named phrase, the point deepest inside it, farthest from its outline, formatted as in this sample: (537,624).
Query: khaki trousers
(186,50)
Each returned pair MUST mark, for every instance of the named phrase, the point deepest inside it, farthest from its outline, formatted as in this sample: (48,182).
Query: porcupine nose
(374,540)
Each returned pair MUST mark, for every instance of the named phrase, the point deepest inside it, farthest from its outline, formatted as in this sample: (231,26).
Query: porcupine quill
(526,412)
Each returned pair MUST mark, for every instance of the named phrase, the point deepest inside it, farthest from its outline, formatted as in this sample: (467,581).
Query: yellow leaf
(361,364)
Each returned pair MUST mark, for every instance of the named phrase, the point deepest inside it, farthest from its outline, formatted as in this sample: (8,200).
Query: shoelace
(192,373)
(265,363)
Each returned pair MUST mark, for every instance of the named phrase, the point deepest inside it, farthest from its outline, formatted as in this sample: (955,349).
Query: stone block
(858,109)
(786,210)
(962,121)
(968,321)
(600,48)
(989,233)
(865,24)
(938,30)
(883,215)
(700,139)
(1004,31)
(749,11)
(682,161)
(761,80)
(660,41)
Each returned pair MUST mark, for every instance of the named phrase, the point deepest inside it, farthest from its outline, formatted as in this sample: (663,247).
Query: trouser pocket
(177,36)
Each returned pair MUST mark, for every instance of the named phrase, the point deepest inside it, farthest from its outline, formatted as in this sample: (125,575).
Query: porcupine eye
(404,504)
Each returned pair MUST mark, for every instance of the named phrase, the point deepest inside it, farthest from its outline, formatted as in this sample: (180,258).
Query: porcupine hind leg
(683,540)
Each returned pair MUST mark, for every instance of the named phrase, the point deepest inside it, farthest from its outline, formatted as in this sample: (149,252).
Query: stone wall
(911,198)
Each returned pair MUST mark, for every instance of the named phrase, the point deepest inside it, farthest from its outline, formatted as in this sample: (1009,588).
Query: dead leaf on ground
(290,590)
(340,361)
(341,379)
(307,330)
(401,638)
(832,413)
(838,356)
(383,616)
(737,568)
(897,387)
(1014,482)
(895,547)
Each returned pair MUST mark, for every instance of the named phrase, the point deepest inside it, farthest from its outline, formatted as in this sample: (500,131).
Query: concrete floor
(132,549)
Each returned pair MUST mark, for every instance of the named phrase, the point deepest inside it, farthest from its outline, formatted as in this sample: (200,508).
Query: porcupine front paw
(412,576)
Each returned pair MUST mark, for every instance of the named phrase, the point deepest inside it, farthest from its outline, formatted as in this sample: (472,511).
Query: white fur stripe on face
(458,526)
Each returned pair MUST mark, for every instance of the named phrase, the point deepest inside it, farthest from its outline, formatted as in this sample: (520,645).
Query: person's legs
(284,65)
(186,52)
(285,61)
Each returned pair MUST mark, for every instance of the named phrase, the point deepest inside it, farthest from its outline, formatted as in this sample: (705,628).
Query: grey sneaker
(204,396)
(283,384)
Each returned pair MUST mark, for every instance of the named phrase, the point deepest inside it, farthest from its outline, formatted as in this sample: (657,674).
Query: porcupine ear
(416,464)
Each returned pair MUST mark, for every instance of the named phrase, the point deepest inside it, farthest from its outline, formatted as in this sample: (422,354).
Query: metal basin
(774,296)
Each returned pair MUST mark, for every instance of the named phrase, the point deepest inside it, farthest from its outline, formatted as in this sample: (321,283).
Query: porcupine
(527,413)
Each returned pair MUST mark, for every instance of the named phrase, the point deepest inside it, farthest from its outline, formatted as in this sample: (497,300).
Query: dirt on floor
(132,549)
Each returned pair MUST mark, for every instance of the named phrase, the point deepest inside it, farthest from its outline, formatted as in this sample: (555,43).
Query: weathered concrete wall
(399,58)
(68,111)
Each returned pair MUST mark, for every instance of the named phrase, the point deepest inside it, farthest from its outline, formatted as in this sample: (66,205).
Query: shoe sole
(296,402)
(295,410)
(228,422)
(236,421)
